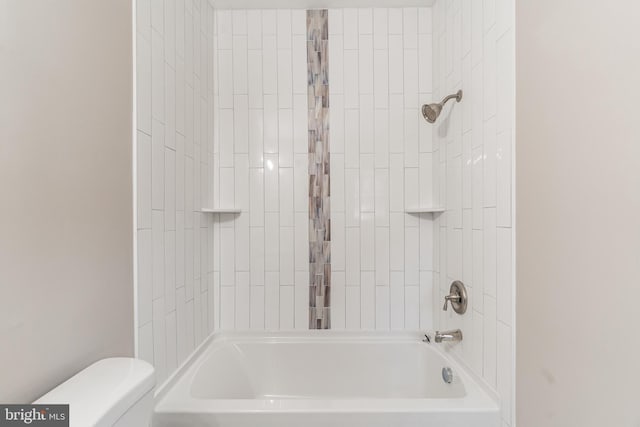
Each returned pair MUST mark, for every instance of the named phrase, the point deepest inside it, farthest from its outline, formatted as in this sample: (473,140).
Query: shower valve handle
(457,297)
(451,297)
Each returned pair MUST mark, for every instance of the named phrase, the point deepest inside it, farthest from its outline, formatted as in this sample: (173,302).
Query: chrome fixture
(431,111)
(453,335)
(457,296)
(447,375)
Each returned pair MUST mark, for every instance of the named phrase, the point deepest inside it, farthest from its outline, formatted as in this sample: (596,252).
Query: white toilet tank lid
(104,391)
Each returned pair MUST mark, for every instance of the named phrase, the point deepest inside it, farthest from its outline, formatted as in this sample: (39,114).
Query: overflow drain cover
(447,375)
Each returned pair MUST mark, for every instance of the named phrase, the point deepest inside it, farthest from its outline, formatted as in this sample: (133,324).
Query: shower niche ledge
(221,210)
(433,210)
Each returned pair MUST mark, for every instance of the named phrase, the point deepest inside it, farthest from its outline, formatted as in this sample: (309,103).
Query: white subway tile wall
(174,56)
(380,70)
(260,165)
(473,50)
(378,60)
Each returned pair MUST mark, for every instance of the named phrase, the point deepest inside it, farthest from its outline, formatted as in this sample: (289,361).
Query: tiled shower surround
(319,168)
(224,119)
(379,68)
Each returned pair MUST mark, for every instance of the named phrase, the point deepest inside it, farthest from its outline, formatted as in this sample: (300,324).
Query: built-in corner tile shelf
(424,210)
(221,210)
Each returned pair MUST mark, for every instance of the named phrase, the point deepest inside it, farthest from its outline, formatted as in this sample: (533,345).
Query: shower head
(431,111)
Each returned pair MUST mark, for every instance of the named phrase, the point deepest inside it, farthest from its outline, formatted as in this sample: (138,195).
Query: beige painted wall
(66,274)
(578,213)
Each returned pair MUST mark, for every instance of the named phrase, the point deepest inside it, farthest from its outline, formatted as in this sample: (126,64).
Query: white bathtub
(321,378)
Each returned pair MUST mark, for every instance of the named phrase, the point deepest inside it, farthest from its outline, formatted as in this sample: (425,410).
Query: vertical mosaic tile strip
(319,182)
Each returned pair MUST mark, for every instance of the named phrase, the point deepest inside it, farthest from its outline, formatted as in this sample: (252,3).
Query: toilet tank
(111,392)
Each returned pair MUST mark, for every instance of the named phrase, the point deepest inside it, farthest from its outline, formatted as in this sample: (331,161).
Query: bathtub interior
(319,378)
(322,370)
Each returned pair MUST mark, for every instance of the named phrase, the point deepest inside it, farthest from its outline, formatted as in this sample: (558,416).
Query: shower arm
(457,96)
